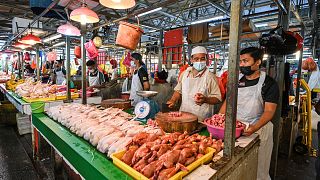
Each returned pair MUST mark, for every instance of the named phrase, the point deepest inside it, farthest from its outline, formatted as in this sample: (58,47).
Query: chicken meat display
(162,156)
(111,130)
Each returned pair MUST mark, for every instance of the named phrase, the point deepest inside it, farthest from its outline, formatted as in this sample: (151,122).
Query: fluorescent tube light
(149,12)
(59,44)
(50,38)
(262,25)
(207,20)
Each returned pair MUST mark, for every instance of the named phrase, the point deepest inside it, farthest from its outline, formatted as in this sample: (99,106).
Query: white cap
(198,50)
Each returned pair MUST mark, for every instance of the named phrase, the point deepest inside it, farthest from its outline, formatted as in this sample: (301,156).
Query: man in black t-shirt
(140,79)
(258,96)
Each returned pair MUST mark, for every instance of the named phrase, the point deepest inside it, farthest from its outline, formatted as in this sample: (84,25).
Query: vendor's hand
(250,130)
(90,88)
(199,99)
(170,103)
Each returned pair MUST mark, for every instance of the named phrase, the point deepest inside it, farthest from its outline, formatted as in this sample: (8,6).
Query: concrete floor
(15,163)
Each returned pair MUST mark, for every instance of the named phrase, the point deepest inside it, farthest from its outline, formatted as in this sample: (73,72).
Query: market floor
(15,163)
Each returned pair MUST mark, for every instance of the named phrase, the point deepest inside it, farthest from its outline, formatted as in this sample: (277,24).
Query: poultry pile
(110,130)
(30,89)
(162,156)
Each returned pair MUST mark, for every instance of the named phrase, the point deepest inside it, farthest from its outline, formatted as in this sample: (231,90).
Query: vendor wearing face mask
(258,96)
(59,73)
(140,79)
(197,87)
(96,78)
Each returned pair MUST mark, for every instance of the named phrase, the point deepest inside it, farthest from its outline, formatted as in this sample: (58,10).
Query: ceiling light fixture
(21,45)
(118,4)
(59,44)
(84,15)
(68,29)
(261,25)
(30,39)
(207,20)
(149,12)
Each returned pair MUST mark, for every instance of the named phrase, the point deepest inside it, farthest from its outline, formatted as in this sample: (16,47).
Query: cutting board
(187,122)
(116,103)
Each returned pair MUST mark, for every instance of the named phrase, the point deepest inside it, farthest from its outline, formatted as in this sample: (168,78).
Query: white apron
(94,80)
(59,77)
(250,108)
(135,86)
(191,86)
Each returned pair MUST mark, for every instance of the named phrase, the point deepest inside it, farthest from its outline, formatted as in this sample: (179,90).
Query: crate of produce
(116,157)
(30,100)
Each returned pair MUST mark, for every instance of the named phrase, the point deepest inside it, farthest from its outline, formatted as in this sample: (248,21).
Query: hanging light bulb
(68,29)
(30,39)
(84,15)
(118,4)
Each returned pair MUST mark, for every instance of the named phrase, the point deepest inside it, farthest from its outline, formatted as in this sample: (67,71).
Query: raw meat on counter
(162,156)
(218,120)
(111,130)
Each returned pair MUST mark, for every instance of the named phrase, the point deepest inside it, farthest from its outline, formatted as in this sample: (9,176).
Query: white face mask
(91,71)
(199,66)
(132,64)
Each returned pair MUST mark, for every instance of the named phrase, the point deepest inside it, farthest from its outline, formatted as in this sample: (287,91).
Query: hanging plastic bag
(91,50)
(76,61)
(123,69)
(125,85)
(77,52)
(52,56)
(26,56)
(33,64)
(127,60)
(309,64)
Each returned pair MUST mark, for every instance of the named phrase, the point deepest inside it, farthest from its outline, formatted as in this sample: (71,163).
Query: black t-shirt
(143,75)
(270,89)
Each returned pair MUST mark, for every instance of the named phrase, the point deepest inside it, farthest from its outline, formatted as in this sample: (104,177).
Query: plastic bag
(52,56)
(123,69)
(77,52)
(127,60)
(91,49)
(26,56)
(125,85)
(223,84)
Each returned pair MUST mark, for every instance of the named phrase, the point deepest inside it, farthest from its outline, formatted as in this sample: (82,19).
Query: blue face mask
(199,66)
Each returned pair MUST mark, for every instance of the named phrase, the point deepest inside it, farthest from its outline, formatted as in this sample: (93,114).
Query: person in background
(78,73)
(258,96)
(197,87)
(28,68)
(114,69)
(140,79)
(96,78)
(59,73)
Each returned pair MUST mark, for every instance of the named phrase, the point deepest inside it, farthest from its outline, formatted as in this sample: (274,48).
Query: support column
(38,63)
(160,51)
(277,119)
(233,77)
(83,56)
(22,64)
(297,100)
(68,68)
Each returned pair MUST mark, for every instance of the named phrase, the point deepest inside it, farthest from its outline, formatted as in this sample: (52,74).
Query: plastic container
(37,107)
(116,157)
(218,132)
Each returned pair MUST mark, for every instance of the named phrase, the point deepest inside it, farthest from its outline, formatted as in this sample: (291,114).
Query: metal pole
(68,68)
(38,63)
(297,100)
(277,119)
(22,64)
(83,56)
(232,86)
(160,51)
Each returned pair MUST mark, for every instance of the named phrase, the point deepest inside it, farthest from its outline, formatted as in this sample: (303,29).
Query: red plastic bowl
(218,132)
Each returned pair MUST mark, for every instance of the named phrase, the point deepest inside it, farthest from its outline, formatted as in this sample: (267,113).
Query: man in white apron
(96,78)
(197,87)
(59,73)
(140,79)
(258,96)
